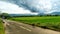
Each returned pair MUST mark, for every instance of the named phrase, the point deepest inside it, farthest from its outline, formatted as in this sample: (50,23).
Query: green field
(52,22)
(1,28)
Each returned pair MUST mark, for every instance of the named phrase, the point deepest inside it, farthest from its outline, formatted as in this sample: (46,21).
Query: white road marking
(28,29)
(20,26)
(5,23)
(25,28)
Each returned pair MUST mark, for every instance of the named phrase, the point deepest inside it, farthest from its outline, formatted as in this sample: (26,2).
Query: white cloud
(47,6)
(13,9)
(42,4)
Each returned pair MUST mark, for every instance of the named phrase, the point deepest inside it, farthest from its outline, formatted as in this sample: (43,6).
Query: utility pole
(0,12)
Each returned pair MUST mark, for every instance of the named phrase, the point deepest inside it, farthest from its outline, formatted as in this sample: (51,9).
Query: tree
(5,15)
(0,13)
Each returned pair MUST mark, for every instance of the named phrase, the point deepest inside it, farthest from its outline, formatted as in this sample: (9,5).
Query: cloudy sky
(13,8)
(29,6)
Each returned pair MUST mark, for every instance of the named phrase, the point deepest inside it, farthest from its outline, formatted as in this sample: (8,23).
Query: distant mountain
(55,13)
(41,14)
(21,14)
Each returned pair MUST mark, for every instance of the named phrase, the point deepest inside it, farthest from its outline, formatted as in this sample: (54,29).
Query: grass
(1,28)
(44,22)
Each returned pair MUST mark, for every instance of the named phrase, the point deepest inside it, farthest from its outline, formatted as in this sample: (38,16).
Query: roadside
(34,30)
(2,31)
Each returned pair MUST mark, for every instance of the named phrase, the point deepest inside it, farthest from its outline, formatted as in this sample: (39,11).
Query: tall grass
(1,28)
(44,22)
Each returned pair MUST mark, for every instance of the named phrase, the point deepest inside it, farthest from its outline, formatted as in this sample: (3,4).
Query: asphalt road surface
(13,27)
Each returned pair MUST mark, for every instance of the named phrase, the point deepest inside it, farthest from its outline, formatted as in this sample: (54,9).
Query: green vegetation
(1,28)
(4,15)
(51,22)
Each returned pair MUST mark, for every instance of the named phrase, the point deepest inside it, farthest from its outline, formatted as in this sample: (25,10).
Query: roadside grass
(44,22)
(1,28)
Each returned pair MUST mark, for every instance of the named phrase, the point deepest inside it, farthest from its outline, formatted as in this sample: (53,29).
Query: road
(13,27)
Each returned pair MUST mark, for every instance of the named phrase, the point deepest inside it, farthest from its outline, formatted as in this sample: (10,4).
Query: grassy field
(1,28)
(44,22)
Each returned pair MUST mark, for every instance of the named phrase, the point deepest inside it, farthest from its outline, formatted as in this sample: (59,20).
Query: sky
(29,6)
(13,9)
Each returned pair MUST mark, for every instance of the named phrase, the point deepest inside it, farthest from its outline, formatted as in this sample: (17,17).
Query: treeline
(37,16)
(4,15)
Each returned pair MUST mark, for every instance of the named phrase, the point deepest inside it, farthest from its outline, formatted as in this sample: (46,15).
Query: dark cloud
(48,5)
(27,4)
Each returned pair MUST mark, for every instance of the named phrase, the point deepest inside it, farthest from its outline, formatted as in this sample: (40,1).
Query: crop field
(52,22)
(1,28)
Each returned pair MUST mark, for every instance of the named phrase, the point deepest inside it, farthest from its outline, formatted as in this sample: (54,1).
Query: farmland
(51,22)
(1,28)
